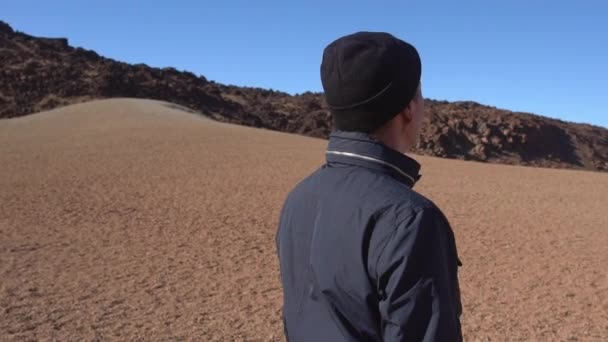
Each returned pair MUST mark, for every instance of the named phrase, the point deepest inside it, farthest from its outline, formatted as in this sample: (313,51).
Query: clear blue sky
(546,57)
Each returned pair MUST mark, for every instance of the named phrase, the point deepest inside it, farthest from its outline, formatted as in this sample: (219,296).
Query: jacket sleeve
(417,281)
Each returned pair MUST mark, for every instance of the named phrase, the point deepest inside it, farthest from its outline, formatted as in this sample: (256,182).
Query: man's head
(372,84)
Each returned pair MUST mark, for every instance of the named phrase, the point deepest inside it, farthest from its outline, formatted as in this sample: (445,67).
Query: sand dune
(136,220)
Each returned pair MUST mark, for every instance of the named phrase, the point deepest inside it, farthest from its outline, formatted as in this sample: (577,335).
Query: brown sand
(134,220)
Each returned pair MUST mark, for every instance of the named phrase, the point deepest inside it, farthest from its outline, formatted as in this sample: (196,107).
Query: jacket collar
(356,148)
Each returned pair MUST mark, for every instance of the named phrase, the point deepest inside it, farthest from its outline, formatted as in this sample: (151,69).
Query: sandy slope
(132,220)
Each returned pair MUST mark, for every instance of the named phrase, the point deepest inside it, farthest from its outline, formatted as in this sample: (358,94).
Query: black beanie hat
(368,77)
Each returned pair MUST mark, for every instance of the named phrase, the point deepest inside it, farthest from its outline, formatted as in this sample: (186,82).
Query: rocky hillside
(42,73)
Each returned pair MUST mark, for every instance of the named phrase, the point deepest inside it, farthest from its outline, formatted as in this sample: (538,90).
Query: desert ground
(137,220)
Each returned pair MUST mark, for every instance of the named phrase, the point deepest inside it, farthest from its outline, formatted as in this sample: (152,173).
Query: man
(363,257)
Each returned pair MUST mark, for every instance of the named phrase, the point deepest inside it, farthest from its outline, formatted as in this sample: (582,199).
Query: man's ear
(406,113)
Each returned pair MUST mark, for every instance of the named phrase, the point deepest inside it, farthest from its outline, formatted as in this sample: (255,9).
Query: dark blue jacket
(363,257)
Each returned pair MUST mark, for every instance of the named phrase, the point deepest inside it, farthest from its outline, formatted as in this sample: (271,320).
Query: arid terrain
(139,220)
(39,73)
